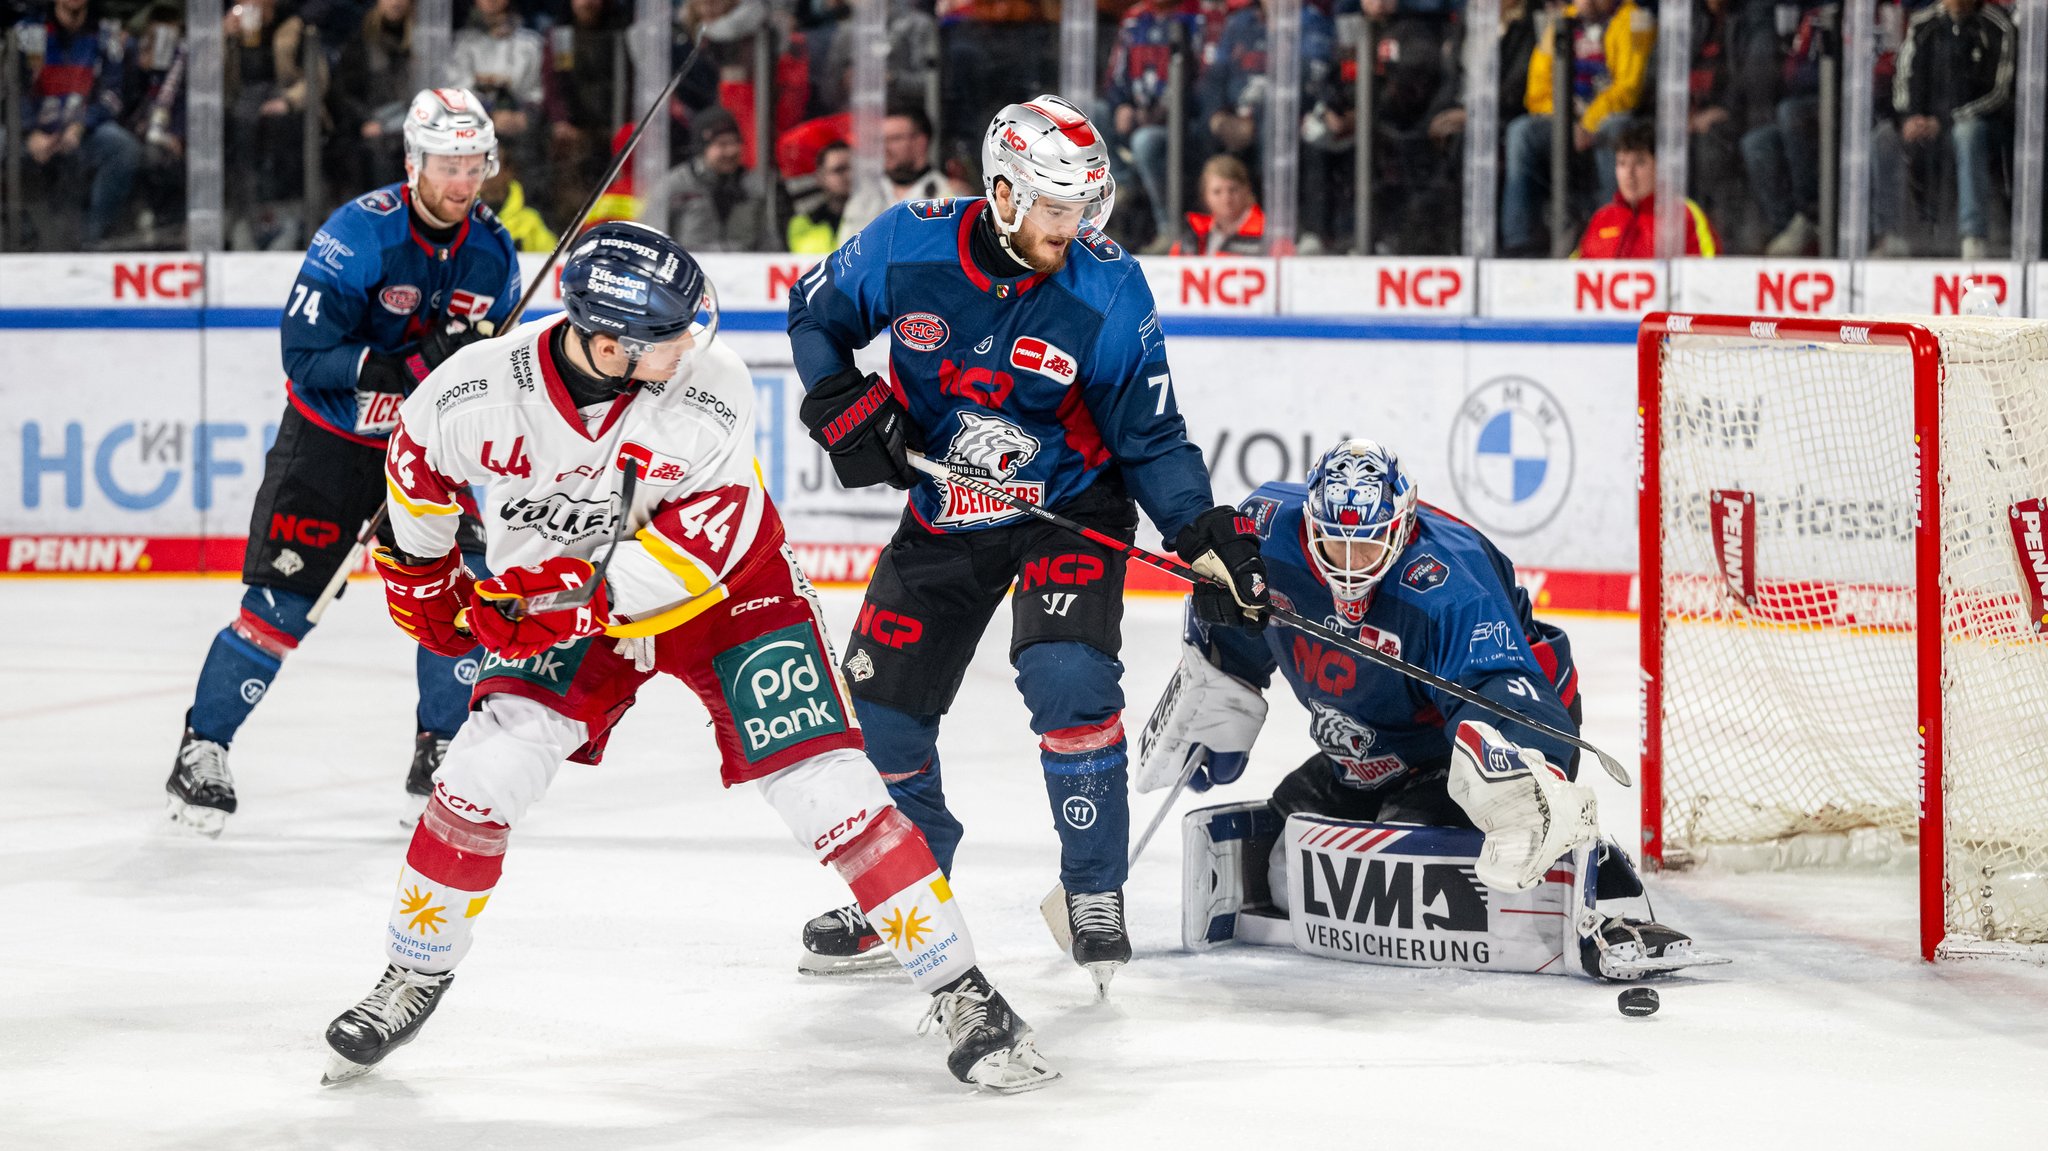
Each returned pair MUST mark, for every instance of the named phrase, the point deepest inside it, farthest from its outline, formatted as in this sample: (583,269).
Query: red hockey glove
(530,635)
(426,600)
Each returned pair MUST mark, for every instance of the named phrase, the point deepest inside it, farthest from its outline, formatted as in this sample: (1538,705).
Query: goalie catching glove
(494,617)
(859,421)
(1531,812)
(426,600)
(1224,546)
(1207,719)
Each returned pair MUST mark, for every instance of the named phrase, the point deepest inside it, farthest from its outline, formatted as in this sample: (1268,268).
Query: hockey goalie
(1427,832)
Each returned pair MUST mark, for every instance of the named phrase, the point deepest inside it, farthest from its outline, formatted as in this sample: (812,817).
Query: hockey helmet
(637,285)
(449,122)
(1360,514)
(1047,147)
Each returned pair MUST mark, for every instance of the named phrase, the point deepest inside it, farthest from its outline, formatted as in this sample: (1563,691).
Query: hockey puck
(1638,1002)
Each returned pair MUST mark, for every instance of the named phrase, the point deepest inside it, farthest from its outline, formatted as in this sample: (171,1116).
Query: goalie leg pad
(835,805)
(1532,814)
(1409,896)
(1223,870)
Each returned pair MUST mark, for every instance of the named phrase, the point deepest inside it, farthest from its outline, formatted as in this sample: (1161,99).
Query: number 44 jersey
(497,415)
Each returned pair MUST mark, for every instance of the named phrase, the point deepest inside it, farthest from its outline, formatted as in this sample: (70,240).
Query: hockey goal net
(1843,577)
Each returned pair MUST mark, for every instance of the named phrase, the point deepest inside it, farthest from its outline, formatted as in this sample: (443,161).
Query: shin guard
(906,898)
(449,873)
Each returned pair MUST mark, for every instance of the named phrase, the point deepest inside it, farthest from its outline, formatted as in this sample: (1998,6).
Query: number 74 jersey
(496,415)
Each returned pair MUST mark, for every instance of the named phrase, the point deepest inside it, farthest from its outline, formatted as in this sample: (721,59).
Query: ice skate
(428,750)
(992,1047)
(201,790)
(841,941)
(387,1019)
(1625,950)
(1101,944)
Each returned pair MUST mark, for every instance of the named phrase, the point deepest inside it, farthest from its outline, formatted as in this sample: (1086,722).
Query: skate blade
(1013,1071)
(206,821)
(1102,973)
(341,1069)
(874,959)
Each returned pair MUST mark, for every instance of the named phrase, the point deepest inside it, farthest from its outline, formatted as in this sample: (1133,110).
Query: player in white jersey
(701,586)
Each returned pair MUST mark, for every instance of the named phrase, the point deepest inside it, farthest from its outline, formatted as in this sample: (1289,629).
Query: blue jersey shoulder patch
(1261,509)
(1425,572)
(1100,245)
(383,201)
(934,209)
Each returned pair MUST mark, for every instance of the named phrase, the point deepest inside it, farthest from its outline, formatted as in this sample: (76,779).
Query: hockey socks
(449,873)
(244,658)
(905,897)
(1086,779)
(445,686)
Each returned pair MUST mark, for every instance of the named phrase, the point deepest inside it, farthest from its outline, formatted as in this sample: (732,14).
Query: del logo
(300,530)
(932,209)
(400,299)
(1425,573)
(553,669)
(1035,355)
(470,306)
(383,202)
(923,331)
(778,692)
(655,468)
(1260,511)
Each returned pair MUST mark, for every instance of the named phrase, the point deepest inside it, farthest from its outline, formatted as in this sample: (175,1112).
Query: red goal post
(1791,512)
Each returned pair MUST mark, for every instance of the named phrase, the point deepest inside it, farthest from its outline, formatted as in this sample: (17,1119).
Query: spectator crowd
(313,92)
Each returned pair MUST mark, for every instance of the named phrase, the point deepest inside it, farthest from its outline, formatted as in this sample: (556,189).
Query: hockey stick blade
(1175,567)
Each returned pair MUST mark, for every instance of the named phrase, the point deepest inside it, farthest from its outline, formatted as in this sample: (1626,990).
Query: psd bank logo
(1511,455)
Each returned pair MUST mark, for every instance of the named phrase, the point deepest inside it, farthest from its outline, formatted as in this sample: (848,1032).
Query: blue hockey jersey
(1450,606)
(372,283)
(1037,383)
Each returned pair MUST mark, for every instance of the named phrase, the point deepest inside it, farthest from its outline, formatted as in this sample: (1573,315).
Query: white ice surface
(634,980)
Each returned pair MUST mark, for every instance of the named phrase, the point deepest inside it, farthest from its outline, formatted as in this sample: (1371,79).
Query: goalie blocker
(1407,895)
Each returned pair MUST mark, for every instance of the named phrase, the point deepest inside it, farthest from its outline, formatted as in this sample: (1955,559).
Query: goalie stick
(1176,567)
(369,532)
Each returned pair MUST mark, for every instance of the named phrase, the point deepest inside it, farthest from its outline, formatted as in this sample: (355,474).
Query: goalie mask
(1046,148)
(1360,514)
(448,122)
(638,286)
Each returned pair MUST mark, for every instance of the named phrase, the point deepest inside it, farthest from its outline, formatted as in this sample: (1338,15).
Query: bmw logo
(1511,456)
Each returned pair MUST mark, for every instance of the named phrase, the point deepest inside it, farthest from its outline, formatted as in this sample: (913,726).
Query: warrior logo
(1346,741)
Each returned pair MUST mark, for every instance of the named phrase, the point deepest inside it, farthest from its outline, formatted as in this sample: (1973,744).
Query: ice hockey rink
(634,982)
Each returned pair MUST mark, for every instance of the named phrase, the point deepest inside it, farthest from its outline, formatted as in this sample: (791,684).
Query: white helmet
(449,122)
(1357,495)
(1046,147)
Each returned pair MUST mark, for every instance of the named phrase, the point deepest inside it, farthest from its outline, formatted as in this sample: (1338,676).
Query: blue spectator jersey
(81,75)
(1037,383)
(371,282)
(1450,605)
(1237,81)
(1138,63)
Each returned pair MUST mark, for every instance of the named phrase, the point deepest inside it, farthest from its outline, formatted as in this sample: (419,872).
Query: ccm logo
(1615,291)
(1794,292)
(845,830)
(173,280)
(1232,287)
(1420,288)
(311,533)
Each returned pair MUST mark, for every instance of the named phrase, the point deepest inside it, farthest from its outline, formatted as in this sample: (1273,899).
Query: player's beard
(442,206)
(1044,254)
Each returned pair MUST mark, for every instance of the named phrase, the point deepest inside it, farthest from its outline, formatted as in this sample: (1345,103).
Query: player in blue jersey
(1025,350)
(1356,549)
(393,284)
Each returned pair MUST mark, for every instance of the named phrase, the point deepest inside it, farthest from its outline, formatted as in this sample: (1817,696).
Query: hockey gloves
(1224,546)
(1207,718)
(426,599)
(1531,812)
(861,424)
(496,619)
(403,370)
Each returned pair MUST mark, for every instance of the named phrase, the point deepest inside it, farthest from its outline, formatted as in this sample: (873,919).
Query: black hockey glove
(1224,546)
(861,424)
(403,370)
(445,339)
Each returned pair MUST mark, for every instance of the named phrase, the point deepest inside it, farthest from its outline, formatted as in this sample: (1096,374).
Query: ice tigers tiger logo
(989,447)
(1346,741)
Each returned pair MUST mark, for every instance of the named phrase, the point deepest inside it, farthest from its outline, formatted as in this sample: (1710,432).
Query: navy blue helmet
(632,282)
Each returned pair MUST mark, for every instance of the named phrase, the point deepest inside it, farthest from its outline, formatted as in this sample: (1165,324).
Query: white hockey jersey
(496,414)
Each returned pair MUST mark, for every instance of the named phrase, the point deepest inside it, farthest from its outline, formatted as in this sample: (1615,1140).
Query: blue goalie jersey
(1450,606)
(371,282)
(1037,383)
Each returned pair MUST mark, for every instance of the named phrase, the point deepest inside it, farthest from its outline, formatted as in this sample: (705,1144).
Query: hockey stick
(1054,906)
(369,532)
(575,597)
(1176,567)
